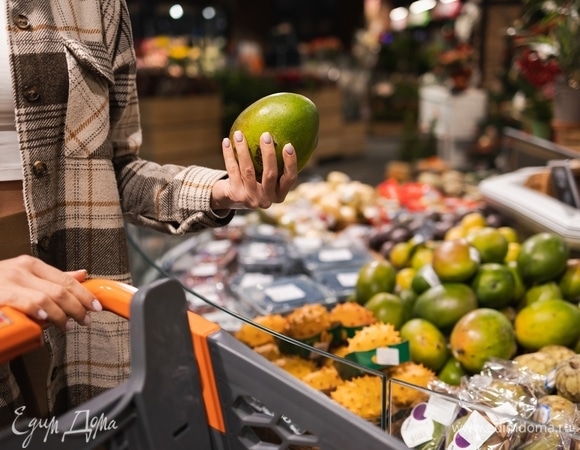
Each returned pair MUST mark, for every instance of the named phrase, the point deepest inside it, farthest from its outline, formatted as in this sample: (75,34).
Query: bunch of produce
(476,297)
(345,329)
(334,203)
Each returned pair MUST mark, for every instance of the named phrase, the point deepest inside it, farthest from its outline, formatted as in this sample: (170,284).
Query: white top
(10,162)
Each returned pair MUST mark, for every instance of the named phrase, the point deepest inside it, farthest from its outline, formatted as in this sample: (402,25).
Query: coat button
(39,169)
(22,22)
(31,93)
(44,244)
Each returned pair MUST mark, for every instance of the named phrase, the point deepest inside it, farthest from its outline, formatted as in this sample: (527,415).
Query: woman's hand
(241,190)
(45,293)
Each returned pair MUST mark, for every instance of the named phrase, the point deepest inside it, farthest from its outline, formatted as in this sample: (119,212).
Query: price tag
(266,230)
(473,434)
(502,414)
(285,293)
(256,278)
(218,247)
(347,279)
(441,410)
(204,270)
(335,254)
(417,428)
(430,276)
(260,250)
(564,182)
(387,356)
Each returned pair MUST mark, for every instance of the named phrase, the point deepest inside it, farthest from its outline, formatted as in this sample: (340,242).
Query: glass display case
(248,267)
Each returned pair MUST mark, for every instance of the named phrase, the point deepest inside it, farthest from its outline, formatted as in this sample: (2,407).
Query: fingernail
(87,320)
(289,148)
(42,314)
(238,136)
(226,143)
(266,138)
(69,325)
(97,305)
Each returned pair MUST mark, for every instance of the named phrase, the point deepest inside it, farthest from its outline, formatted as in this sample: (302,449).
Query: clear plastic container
(284,294)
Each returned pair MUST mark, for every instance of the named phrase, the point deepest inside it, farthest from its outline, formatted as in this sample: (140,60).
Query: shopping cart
(193,386)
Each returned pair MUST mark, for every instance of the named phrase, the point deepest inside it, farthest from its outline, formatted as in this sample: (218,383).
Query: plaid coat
(73,76)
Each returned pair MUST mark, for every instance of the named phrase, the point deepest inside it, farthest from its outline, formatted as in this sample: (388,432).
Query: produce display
(443,300)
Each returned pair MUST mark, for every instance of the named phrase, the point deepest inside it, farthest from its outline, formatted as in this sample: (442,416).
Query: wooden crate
(182,130)
(328,100)
(355,137)
(567,134)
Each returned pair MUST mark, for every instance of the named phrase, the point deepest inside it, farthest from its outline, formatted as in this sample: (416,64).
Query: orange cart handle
(20,334)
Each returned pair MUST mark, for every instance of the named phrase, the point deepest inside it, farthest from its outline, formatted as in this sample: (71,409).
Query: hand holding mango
(269,143)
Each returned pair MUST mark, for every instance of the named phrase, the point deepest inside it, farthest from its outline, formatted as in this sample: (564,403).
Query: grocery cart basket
(193,386)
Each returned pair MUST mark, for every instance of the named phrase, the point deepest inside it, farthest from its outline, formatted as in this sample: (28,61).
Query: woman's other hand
(45,293)
(241,190)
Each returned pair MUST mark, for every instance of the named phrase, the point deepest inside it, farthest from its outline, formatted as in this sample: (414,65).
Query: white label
(502,414)
(266,230)
(387,356)
(218,247)
(255,278)
(307,243)
(207,291)
(550,382)
(204,270)
(237,221)
(473,434)
(441,410)
(347,279)
(416,428)
(335,254)
(430,276)
(260,250)
(542,414)
(474,255)
(285,293)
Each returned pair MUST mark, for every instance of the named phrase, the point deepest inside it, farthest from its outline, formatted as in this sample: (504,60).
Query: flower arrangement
(547,55)
(534,73)
(554,25)
(178,65)
(456,63)
(181,55)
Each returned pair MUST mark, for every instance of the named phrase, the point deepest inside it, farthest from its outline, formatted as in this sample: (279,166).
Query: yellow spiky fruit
(361,395)
(341,351)
(253,336)
(373,336)
(295,365)
(307,321)
(351,314)
(412,373)
(324,379)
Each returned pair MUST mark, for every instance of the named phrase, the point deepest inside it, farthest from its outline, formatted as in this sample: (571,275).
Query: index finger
(72,286)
